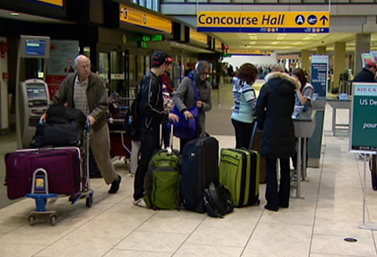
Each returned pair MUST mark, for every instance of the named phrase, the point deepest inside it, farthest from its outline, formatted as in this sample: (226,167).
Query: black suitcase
(200,158)
(373,170)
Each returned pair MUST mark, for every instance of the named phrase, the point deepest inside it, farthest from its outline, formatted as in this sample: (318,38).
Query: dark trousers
(278,198)
(243,133)
(149,145)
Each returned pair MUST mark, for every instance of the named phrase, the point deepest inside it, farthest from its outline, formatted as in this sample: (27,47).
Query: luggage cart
(40,180)
(120,143)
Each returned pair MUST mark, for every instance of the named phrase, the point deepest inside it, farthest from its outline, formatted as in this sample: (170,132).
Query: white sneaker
(140,202)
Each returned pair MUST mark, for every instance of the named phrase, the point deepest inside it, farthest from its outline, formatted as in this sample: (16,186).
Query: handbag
(186,128)
(218,200)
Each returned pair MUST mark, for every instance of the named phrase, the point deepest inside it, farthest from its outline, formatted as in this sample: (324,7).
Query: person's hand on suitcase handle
(43,118)
(188,115)
(172,117)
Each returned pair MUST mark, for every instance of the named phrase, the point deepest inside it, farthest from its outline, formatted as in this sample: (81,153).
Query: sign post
(364,130)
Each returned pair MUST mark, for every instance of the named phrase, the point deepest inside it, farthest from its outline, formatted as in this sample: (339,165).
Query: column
(339,62)
(305,63)
(362,46)
(321,50)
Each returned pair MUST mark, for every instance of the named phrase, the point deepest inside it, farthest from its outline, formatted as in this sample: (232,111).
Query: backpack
(218,200)
(132,118)
(161,182)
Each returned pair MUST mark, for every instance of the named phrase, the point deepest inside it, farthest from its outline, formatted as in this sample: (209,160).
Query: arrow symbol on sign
(323,19)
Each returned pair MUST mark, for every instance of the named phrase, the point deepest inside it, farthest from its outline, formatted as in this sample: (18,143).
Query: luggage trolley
(120,143)
(43,184)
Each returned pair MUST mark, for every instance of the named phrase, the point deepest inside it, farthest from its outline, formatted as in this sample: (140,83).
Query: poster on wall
(373,56)
(61,62)
(319,71)
(366,57)
(364,118)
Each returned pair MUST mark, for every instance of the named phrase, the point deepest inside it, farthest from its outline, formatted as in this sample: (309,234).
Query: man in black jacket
(152,114)
(367,74)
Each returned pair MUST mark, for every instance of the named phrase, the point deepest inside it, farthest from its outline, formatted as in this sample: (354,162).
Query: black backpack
(218,200)
(132,118)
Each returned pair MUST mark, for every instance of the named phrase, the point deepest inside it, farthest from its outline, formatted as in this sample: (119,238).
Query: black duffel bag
(64,127)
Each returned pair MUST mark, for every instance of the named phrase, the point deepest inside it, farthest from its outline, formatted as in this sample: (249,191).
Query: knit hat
(159,58)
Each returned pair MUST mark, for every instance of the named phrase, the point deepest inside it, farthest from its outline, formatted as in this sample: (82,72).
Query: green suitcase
(239,172)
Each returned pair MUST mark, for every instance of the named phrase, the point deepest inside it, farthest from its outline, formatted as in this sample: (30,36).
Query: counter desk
(304,124)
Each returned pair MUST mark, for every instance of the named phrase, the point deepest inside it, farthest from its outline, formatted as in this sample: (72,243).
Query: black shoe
(270,208)
(115,185)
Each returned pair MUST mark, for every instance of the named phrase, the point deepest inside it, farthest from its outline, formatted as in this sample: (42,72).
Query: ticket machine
(33,102)
(32,97)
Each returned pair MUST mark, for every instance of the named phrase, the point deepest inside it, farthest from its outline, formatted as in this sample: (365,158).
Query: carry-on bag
(162,179)
(218,200)
(200,158)
(63,166)
(239,172)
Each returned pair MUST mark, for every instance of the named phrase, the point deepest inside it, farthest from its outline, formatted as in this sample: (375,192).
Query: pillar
(305,62)
(321,50)
(362,46)
(339,61)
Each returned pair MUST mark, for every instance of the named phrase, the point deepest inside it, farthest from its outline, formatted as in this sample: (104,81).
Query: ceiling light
(282,34)
(14,14)
(275,43)
(253,37)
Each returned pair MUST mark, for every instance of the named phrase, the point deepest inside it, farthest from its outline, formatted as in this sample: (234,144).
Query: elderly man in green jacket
(86,91)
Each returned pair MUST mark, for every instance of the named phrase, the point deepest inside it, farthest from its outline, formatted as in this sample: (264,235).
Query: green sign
(146,38)
(143,44)
(364,118)
(157,38)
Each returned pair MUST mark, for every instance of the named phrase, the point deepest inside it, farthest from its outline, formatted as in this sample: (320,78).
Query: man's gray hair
(202,67)
(80,57)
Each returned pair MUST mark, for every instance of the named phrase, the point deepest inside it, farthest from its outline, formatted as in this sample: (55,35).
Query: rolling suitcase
(200,158)
(63,167)
(239,172)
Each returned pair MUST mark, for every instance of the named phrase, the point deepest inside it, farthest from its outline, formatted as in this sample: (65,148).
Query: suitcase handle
(253,134)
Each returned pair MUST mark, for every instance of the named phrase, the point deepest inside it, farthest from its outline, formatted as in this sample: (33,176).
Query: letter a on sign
(300,19)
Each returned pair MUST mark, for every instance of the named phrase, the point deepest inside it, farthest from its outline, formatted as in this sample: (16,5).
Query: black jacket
(151,104)
(274,110)
(364,75)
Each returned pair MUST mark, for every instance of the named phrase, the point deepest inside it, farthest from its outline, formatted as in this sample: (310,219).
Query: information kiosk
(32,96)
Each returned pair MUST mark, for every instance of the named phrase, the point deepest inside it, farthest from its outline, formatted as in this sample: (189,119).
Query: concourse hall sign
(264,22)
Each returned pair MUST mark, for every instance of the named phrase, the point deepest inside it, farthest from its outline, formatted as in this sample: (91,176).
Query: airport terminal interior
(324,221)
(333,207)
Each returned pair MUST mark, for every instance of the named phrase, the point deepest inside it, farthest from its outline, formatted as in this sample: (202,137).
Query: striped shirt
(79,95)
(245,101)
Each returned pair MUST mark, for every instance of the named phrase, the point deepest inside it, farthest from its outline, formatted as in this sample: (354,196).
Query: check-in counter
(315,141)
(335,104)
(304,124)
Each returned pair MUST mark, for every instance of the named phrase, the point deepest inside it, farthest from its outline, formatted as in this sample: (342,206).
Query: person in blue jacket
(245,101)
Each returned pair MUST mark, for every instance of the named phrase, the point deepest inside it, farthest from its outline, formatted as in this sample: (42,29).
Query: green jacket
(96,95)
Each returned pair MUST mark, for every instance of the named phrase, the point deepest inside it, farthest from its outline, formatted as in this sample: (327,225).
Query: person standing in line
(185,97)
(152,114)
(86,91)
(245,101)
(168,91)
(275,105)
(303,101)
(367,74)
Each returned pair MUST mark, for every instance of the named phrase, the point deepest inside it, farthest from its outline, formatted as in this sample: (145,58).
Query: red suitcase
(63,166)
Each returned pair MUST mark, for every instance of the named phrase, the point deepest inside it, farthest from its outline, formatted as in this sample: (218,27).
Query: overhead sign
(364,118)
(53,2)
(200,37)
(249,52)
(264,22)
(319,72)
(144,19)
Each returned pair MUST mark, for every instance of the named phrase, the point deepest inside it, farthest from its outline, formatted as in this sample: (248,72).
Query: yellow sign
(249,52)
(200,37)
(143,19)
(218,44)
(264,22)
(53,2)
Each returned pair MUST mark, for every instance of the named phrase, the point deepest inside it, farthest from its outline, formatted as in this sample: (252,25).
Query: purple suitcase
(63,166)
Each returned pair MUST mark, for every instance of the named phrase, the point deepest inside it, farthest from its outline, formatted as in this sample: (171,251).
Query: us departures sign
(264,22)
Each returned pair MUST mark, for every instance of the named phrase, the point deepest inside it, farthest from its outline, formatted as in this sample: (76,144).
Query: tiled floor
(315,226)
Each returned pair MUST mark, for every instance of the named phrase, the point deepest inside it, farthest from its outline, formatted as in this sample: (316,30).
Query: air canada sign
(289,22)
